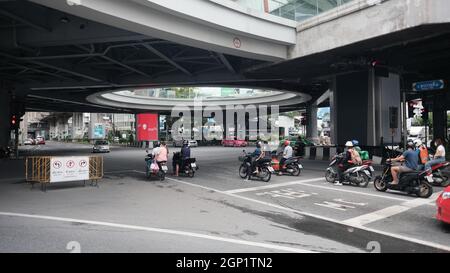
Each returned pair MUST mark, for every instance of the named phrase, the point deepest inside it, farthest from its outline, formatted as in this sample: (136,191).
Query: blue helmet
(355,142)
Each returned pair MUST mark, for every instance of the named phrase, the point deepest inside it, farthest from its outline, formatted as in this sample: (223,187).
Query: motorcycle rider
(256,156)
(287,154)
(422,152)
(439,156)
(162,154)
(185,154)
(346,162)
(411,159)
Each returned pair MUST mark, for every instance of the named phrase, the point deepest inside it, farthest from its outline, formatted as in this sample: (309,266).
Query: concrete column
(360,103)
(311,127)
(439,116)
(5,114)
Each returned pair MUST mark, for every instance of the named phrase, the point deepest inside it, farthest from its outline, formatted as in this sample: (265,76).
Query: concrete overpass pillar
(311,127)
(439,116)
(360,108)
(5,114)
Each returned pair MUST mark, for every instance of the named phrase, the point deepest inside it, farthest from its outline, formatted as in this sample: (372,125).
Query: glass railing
(297,10)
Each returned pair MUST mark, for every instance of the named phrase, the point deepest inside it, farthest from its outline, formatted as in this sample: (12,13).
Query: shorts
(404,169)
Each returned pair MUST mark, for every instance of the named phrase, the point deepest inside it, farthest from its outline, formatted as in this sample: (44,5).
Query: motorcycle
(439,178)
(265,168)
(152,168)
(188,167)
(414,182)
(291,166)
(357,175)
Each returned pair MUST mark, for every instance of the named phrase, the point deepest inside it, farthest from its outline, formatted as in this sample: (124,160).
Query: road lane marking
(316,216)
(286,193)
(336,206)
(160,230)
(354,192)
(368,218)
(273,185)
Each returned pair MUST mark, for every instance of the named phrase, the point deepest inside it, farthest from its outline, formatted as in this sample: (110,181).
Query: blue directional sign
(428,85)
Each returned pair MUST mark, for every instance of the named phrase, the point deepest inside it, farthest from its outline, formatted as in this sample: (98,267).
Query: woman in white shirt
(439,156)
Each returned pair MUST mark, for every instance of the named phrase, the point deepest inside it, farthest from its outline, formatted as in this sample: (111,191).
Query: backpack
(423,155)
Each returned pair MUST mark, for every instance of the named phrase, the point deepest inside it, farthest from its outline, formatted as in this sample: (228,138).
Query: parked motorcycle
(291,166)
(264,166)
(152,168)
(187,167)
(357,175)
(410,182)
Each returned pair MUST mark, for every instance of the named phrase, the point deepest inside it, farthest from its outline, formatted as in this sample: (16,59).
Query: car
(40,141)
(234,143)
(28,142)
(101,146)
(179,143)
(443,206)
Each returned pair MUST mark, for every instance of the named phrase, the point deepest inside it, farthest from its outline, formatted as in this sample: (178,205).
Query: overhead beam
(24,21)
(227,63)
(167,59)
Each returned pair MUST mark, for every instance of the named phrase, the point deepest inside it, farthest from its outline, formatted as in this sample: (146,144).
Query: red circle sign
(70,164)
(237,42)
(57,164)
(83,163)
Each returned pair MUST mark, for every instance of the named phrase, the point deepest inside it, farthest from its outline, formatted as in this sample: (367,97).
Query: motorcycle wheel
(265,175)
(330,176)
(296,170)
(243,171)
(379,184)
(441,180)
(191,173)
(366,181)
(425,190)
(161,175)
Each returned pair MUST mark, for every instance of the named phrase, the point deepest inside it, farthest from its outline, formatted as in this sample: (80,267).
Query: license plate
(371,169)
(429,178)
(300,166)
(164,168)
(270,169)
(193,165)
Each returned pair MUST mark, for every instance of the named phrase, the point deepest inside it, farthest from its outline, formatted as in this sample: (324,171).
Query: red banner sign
(147,127)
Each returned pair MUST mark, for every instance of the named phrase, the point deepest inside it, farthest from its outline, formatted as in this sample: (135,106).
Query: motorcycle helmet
(157,144)
(258,144)
(185,142)
(418,143)
(349,144)
(355,142)
(410,144)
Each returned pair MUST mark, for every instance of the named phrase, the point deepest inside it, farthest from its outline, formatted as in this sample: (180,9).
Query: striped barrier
(320,152)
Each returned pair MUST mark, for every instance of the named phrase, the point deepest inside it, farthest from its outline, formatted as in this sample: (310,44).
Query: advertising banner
(147,127)
(98,131)
(74,168)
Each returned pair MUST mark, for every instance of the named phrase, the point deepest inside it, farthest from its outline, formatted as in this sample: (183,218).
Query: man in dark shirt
(411,159)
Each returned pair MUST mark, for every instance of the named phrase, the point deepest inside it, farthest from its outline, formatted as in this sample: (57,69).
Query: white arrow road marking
(333,205)
(273,185)
(350,203)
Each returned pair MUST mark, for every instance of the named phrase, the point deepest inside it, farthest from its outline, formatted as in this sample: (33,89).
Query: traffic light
(14,121)
(380,68)
(425,114)
(304,120)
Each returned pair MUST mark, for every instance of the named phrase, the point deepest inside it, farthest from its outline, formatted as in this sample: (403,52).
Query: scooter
(188,167)
(440,179)
(357,175)
(291,166)
(264,166)
(152,168)
(414,182)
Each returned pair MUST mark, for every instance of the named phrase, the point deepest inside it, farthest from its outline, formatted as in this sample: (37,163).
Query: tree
(183,92)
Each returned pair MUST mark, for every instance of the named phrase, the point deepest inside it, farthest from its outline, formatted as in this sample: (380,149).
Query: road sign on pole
(428,85)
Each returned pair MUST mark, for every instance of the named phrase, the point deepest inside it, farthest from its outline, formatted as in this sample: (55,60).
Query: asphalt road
(216,211)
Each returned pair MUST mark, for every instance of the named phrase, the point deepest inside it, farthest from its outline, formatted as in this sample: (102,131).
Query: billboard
(147,127)
(99,131)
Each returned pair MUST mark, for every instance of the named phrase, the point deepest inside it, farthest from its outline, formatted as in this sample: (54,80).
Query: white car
(101,146)
(179,143)
(28,142)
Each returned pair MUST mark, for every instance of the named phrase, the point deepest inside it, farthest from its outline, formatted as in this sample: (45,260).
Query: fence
(38,170)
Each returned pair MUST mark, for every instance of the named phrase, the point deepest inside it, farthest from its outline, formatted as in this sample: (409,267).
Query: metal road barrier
(55,169)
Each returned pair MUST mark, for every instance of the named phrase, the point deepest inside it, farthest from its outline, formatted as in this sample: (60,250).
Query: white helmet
(349,144)
(418,142)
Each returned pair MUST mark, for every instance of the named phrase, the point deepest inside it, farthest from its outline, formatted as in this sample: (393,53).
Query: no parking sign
(63,169)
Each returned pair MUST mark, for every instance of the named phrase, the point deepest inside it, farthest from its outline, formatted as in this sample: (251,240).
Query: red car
(443,206)
(234,143)
(40,141)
